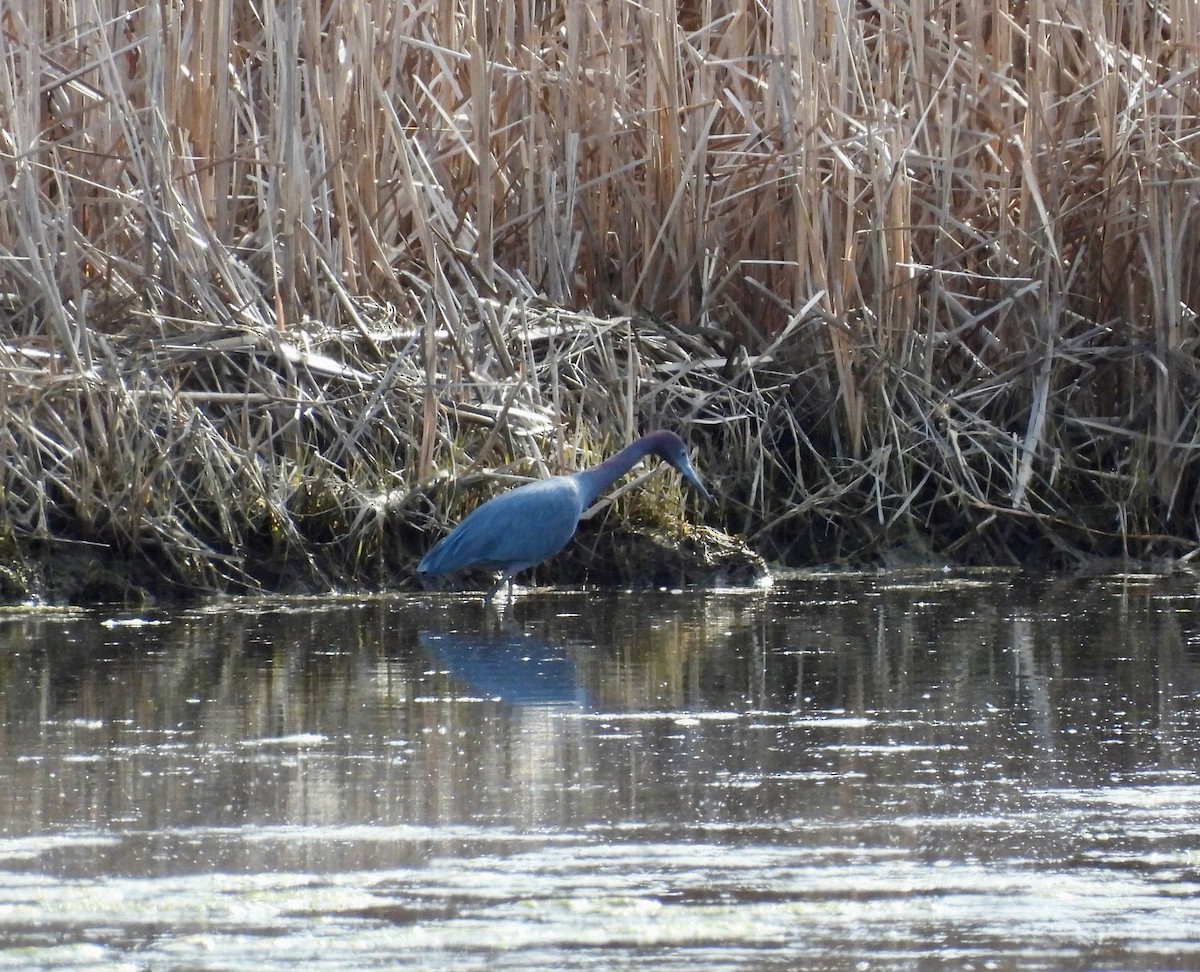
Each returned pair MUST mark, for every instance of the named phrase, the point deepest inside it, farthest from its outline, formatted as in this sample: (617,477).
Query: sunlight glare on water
(984,770)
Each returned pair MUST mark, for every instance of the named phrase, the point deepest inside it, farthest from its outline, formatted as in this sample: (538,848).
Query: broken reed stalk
(922,274)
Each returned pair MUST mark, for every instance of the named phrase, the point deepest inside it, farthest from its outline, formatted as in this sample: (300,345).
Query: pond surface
(980,770)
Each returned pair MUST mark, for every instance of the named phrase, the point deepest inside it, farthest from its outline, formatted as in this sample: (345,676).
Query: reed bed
(284,288)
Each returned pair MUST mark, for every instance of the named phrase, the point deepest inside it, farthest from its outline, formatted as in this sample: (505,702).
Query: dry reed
(273,276)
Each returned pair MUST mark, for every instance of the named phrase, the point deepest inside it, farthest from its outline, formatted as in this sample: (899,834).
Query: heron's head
(672,449)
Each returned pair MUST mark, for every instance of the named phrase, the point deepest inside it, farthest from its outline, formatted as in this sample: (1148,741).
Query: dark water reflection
(984,770)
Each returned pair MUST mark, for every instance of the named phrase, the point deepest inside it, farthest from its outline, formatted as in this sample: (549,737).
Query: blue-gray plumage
(519,529)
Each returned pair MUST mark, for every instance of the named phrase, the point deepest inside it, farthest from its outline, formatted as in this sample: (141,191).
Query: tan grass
(906,273)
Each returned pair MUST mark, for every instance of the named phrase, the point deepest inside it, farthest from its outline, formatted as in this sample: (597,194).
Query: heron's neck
(596,480)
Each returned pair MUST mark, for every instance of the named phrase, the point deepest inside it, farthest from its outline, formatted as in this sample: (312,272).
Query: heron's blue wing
(512,531)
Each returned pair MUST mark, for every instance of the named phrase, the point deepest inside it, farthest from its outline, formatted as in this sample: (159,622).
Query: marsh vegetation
(285,288)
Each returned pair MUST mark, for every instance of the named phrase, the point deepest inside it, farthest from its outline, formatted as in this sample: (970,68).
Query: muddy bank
(78,574)
(619,554)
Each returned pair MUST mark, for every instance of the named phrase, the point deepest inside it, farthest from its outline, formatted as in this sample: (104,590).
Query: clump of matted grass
(220,460)
(280,282)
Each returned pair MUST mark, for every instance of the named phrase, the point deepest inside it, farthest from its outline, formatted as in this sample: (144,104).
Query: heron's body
(527,525)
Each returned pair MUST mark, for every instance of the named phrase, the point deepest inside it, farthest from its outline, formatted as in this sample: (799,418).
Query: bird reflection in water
(510,666)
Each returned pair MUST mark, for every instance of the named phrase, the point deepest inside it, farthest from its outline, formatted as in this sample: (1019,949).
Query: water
(927,771)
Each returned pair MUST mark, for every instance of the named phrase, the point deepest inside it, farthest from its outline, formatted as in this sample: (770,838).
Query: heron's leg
(506,577)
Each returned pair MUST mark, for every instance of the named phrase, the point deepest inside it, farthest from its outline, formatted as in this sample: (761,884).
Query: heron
(527,525)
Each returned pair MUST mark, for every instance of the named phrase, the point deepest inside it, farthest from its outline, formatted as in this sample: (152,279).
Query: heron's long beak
(689,473)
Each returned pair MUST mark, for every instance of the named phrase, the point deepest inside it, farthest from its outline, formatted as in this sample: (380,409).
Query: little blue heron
(519,529)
